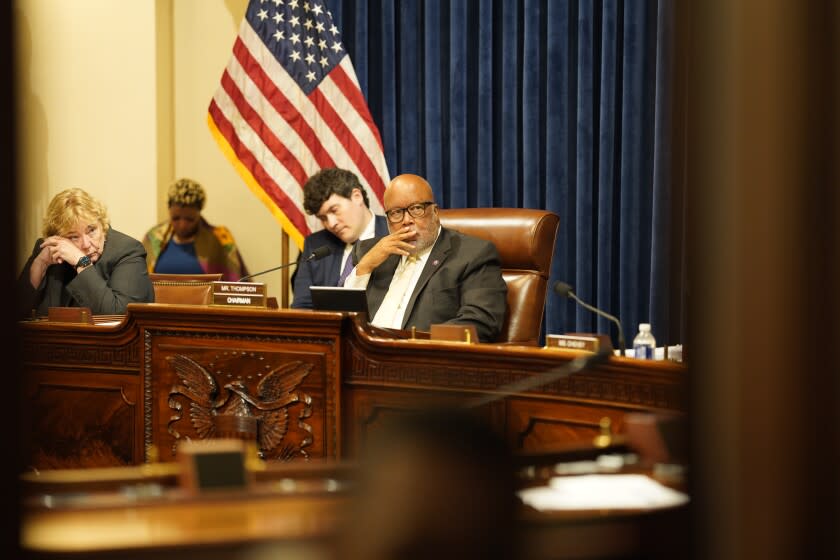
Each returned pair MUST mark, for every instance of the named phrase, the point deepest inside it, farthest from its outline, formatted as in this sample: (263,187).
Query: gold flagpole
(284,296)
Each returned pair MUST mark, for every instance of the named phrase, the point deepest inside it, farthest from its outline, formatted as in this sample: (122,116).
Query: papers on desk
(609,491)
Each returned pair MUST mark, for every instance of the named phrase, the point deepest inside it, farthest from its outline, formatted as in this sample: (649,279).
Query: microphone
(565,290)
(315,255)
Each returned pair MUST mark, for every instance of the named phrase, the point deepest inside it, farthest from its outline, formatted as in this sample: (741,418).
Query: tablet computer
(333,298)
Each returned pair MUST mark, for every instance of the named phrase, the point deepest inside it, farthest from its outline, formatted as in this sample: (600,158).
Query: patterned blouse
(214,246)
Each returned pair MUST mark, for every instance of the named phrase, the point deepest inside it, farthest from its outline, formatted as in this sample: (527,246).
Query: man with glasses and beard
(423,274)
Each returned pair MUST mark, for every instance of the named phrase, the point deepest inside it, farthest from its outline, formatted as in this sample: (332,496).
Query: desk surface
(118,524)
(279,517)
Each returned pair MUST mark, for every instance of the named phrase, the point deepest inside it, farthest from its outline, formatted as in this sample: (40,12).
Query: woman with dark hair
(186,243)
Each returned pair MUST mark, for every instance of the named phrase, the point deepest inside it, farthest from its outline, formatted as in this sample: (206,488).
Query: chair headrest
(524,237)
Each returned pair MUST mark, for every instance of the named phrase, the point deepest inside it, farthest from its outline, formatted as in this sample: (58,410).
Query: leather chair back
(192,289)
(525,240)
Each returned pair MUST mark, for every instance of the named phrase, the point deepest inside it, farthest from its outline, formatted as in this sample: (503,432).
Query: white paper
(609,491)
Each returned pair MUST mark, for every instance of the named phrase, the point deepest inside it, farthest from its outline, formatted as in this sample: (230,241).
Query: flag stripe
(268,138)
(253,164)
(347,132)
(354,96)
(289,104)
(280,102)
(275,127)
(280,185)
(256,171)
(327,130)
(276,124)
(353,149)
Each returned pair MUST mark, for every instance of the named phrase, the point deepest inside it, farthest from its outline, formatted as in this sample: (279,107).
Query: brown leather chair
(192,289)
(525,241)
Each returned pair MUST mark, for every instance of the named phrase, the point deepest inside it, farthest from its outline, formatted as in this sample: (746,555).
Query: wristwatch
(84,262)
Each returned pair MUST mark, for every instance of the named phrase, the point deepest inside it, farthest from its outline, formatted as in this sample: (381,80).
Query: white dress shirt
(354,281)
(367,233)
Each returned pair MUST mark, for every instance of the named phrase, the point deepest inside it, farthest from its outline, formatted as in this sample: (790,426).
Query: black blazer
(323,272)
(118,278)
(461,283)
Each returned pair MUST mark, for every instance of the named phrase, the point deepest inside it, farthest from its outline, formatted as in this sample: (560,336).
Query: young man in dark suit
(337,198)
(422,274)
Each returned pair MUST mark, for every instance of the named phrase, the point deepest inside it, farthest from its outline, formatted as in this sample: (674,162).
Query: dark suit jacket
(461,283)
(324,272)
(118,278)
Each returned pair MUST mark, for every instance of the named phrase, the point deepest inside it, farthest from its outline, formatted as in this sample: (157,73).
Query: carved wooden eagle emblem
(209,404)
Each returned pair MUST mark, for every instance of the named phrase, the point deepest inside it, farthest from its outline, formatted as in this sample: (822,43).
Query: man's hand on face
(397,243)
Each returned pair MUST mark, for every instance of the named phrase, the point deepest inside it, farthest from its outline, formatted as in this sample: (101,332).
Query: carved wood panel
(75,423)
(367,410)
(122,357)
(565,411)
(276,392)
(634,387)
(534,425)
(73,371)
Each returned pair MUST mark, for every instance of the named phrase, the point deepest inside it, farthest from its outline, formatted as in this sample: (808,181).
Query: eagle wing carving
(275,389)
(196,381)
(198,385)
(276,393)
(273,427)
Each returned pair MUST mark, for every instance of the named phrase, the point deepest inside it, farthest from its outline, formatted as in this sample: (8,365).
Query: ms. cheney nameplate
(578,341)
(248,294)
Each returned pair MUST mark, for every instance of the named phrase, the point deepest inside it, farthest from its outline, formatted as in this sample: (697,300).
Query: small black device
(332,298)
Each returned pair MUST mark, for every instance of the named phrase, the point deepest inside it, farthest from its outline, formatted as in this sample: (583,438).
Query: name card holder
(579,341)
(454,333)
(70,315)
(213,464)
(240,294)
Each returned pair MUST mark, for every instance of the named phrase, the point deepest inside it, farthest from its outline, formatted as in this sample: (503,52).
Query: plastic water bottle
(644,345)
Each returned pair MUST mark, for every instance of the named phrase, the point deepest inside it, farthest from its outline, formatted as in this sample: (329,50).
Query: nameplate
(70,315)
(578,341)
(239,294)
(213,464)
(454,333)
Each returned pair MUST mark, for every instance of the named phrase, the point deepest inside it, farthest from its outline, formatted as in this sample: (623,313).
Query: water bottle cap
(644,327)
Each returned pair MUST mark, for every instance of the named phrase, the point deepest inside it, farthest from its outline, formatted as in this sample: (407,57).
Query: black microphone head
(562,288)
(319,253)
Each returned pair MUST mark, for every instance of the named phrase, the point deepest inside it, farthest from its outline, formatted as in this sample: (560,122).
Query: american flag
(289,104)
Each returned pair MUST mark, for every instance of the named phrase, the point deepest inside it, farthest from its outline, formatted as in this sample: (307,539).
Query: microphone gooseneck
(565,290)
(318,253)
(315,255)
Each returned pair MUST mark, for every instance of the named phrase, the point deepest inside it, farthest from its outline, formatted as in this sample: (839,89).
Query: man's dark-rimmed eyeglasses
(416,210)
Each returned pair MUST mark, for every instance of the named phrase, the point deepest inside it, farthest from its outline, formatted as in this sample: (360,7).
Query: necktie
(387,314)
(348,268)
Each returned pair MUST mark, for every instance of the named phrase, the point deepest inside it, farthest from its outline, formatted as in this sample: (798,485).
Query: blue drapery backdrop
(558,104)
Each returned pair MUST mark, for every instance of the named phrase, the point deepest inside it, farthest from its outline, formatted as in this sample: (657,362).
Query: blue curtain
(556,104)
